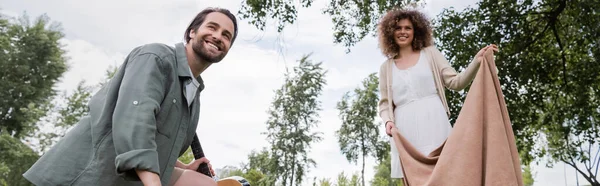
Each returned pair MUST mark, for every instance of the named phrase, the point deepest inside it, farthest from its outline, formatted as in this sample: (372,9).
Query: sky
(239,89)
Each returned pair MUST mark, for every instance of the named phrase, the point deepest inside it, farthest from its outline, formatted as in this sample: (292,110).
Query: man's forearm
(148,178)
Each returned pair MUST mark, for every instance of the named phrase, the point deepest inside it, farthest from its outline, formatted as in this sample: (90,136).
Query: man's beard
(202,52)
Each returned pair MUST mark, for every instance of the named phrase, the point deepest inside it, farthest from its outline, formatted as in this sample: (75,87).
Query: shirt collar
(183,68)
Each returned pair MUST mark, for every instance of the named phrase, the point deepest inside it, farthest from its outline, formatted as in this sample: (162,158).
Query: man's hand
(196,163)
(388,128)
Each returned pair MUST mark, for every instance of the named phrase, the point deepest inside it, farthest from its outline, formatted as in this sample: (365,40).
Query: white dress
(419,114)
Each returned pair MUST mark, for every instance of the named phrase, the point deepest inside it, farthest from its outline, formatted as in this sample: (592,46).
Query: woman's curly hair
(421,27)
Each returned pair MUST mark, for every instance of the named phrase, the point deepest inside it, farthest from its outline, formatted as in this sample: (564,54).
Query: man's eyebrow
(213,23)
(217,25)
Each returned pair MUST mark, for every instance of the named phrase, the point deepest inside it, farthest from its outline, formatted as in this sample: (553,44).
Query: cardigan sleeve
(384,102)
(450,77)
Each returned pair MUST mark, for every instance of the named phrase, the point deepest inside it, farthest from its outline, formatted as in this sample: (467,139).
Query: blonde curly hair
(385,30)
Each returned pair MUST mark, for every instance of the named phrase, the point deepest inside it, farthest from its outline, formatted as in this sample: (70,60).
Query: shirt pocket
(167,118)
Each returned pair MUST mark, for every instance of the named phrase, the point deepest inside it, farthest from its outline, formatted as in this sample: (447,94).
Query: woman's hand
(484,49)
(388,128)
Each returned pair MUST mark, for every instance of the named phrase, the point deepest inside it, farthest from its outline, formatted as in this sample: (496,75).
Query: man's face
(212,40)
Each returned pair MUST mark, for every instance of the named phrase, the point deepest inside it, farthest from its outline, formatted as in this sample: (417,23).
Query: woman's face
(404,33)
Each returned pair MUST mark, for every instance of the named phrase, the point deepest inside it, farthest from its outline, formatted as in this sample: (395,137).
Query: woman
(412,82)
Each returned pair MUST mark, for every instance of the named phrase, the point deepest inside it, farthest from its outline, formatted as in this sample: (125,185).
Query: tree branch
(591,165)
(585,164)
(538,36)
(572,164)
(597,160)
(552,17)
(562,54)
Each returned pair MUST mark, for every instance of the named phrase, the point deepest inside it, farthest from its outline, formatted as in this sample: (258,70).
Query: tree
(256,171)
(260,161)
(260,169)
(15,158)
(382,174)
(293,116)
(325,182)
(342,180)
(187,156)
(359,134)
(527,176)
(352,20)
(548,64)
(31,62)
(67,110)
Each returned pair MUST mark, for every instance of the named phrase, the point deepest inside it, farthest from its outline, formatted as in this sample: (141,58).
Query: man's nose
(217,36)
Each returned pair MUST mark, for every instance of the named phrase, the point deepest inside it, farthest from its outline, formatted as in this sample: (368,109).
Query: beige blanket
(481,149)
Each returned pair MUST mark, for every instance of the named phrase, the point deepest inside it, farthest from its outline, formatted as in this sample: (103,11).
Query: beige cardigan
(481,150)
(441,69)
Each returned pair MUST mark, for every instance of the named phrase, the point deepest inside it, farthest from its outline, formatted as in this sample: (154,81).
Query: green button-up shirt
(139,120)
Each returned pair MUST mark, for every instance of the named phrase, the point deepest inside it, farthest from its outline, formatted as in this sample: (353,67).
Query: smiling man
(145,117)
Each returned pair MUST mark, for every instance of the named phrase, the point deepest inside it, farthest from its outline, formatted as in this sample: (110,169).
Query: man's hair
(421,27)
(199,19)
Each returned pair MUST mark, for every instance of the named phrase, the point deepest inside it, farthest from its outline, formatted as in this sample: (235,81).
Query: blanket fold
(481,150)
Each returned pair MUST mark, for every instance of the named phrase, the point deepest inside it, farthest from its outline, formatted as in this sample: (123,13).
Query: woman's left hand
(484,49)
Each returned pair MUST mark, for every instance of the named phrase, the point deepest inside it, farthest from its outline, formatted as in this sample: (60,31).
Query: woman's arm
(384,108)
(454,80)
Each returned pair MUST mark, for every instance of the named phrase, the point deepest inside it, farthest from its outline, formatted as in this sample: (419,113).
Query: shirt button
(174,101)
(135,102)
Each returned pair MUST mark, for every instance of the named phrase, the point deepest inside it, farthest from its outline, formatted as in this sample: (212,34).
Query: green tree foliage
(325,182)
(187,156)
(352,20)
(31,62)
(548,70)
(284,11)
(257,170)
(15,158)
(292,118)
(382,174)
(67,110)
(359,135)
(527,176)
(343,180)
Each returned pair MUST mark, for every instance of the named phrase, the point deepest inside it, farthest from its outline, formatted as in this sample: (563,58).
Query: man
(145,117)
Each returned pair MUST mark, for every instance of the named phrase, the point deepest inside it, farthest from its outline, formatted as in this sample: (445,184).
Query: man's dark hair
(199,19)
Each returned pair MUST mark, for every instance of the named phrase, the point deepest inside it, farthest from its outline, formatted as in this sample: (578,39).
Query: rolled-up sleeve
(141,91)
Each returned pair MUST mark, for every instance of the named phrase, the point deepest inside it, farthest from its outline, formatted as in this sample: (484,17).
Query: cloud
(238,93)
(87,62)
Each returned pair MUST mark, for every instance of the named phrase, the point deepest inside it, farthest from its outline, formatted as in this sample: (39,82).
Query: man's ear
(192,33)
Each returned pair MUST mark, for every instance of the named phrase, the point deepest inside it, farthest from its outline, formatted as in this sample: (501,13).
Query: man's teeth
(214,46)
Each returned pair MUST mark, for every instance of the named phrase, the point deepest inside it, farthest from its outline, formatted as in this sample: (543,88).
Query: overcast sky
(239,90)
